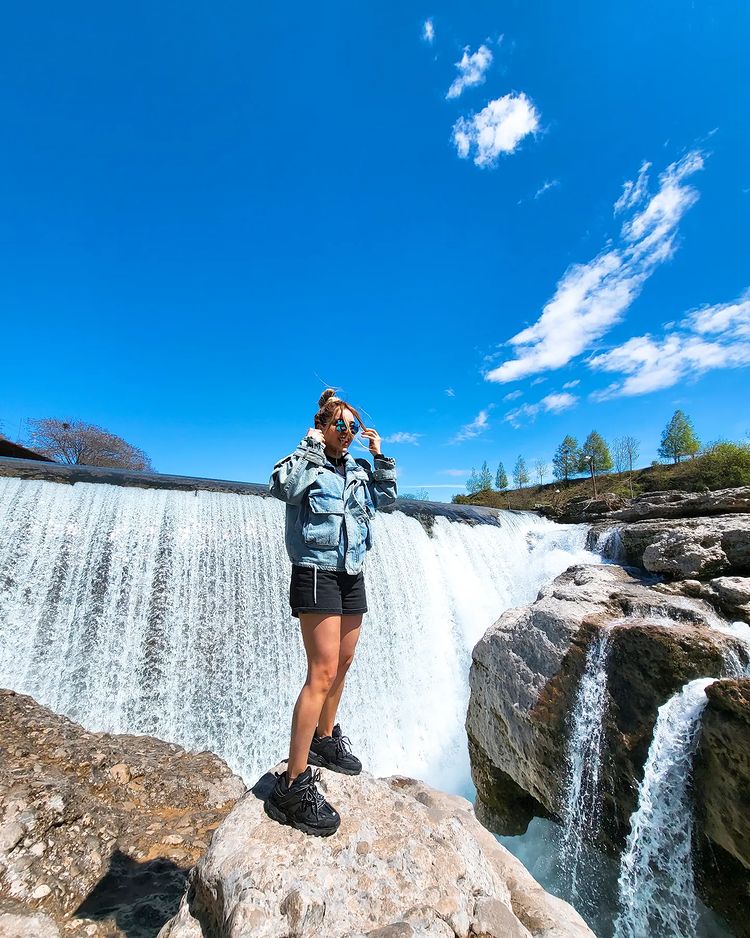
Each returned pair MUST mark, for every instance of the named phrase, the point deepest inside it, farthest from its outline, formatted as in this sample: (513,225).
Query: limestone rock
(691,548)
(730,595)
(525,674)
(406,861)
(654,505)
(89,821)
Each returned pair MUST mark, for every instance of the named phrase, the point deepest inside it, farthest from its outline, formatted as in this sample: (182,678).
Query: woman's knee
(344,663)
(322,674)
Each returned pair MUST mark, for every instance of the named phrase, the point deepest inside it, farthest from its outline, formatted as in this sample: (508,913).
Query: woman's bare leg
(350,629)
(321,635)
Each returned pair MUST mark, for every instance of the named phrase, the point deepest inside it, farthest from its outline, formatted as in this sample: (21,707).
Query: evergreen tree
(501,479)
(595,453)
(566,460)
(485,477)
(678,438)
(520,473)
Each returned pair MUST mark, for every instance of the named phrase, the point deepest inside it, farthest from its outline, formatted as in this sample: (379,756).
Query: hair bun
(327,395)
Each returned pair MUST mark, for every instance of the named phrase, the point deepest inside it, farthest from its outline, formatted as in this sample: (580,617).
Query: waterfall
(656,890)
(609,545)
(581,813)
(166,612)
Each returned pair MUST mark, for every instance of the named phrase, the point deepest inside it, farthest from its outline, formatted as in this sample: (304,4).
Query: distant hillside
(725,465)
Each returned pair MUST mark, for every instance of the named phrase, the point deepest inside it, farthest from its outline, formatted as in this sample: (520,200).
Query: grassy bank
(725,465)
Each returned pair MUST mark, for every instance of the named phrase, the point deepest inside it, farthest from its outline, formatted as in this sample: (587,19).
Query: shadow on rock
(139,897)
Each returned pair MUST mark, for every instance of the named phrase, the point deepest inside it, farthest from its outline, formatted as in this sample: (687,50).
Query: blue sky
(516,222)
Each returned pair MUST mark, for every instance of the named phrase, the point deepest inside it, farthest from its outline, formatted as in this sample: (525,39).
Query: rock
(83,843)
(684,505)
(691,548)
(525,674)
(13,925)
(429,869)
(730,595)
(721,781)
(583,509)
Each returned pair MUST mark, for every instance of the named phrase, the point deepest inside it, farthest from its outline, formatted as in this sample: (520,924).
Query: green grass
(723,465)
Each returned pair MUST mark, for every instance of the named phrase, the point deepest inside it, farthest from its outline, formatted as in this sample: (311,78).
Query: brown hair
(330,407)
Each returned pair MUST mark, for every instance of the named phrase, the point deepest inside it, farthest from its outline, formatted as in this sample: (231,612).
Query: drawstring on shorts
(315,586)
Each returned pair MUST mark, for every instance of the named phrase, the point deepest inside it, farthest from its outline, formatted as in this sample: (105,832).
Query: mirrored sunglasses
(340,426)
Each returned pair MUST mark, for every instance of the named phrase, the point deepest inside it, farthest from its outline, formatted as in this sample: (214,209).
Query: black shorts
(327,591)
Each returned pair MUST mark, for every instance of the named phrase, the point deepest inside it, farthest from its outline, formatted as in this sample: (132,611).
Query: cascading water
(165,612)
(581,813)
(656,891)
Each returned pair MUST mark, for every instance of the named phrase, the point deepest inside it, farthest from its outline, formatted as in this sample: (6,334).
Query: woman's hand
(316,434)
(374,439)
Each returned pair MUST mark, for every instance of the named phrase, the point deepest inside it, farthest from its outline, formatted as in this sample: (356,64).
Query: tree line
(594,457)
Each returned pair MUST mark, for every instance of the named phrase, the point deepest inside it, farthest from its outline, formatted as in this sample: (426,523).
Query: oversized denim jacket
(328,517)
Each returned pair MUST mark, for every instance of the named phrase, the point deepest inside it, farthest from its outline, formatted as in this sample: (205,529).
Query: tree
(595,452)
(485,477)
(83,444)
(566,460)
(630,449)
(421,495)
(678,438)
(595,456)
(520,473)
(501,479)
(472,485)
(540,470)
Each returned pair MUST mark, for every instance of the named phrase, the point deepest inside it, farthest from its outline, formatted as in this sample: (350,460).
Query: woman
(330,501)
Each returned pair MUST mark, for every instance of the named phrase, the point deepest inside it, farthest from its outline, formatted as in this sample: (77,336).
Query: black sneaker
(301,805)
(333,752)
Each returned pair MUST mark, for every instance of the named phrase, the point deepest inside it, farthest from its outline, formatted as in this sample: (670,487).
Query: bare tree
(619,454)
(631,450)
(83,444)
(541,469)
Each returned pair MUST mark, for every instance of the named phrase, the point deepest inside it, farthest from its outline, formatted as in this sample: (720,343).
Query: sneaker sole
(278,815)
(314,759)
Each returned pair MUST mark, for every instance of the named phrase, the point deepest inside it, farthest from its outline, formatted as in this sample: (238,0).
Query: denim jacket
(328,517)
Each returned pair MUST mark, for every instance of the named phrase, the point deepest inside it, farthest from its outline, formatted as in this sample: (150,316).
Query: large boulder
(406,861)
(722,786)
(525,675)
(98,831)
(691,548)
(654,505)
(730,595)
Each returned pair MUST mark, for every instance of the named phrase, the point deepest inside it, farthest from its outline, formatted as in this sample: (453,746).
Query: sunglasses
(340,426)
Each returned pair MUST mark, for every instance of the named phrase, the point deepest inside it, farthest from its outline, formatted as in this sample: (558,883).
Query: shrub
(725,465)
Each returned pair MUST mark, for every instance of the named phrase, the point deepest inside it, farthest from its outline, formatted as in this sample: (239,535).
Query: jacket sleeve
(294,474)
(382,480)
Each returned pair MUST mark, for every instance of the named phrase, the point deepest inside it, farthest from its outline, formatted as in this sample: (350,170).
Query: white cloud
(708,338)
(590,298)
(450,392)
(478,425)
(538,381)
(428,31)
(550,184)
(498,128)
(455,472)
(552,403)
(471,70)
(634,192)
(513,395)
(401,437)
(571,384)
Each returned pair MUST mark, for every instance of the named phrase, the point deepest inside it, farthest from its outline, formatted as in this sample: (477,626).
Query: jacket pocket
(324,519)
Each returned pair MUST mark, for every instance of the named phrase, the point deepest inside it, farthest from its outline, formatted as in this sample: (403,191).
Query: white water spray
(656,889)
(166,612)
(581,813)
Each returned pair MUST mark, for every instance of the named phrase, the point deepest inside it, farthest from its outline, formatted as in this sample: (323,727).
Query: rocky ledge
(653,505)
(406,861)
(98,831)
(100,834)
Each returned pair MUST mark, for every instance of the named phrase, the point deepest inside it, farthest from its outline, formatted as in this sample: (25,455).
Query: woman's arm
(382,479)
(294,474)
